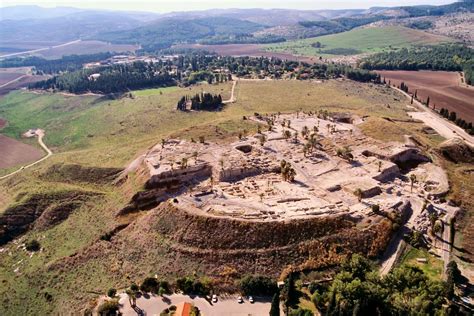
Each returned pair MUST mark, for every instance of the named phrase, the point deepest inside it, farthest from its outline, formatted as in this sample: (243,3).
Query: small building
(183,309)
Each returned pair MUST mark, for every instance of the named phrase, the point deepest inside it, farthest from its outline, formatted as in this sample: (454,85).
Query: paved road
(154,305)
(40,134)
(431,118)
(39,49)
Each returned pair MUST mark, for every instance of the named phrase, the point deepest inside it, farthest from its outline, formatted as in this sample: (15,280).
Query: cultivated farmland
(443,88)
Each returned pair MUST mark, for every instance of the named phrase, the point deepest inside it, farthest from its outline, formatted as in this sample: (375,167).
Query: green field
(433,268)
(360,40)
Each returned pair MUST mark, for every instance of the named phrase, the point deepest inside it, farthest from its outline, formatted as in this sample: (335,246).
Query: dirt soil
(23,82)
(14,153)
(443,88)
(3,123)
(254,50)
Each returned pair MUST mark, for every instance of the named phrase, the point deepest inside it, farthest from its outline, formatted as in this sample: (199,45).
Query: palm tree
(163,142)
(263,139)
(184,163)
(358,192)
(195,156)
(380,165)
(412,180)
(305,131)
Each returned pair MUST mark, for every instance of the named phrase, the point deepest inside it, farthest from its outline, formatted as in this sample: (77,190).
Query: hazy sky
(185,5)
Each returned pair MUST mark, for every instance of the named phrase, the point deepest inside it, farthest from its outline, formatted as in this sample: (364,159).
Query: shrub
(134,287)
(111,292)
(149,285)
(257,285)
(33,245)
(109,308)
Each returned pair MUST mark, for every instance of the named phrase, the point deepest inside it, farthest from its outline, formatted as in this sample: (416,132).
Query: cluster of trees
(441,57)
(258,285)
(403,87)
(201,102)
(452,116)
(54,66)
(112,79)
(287,171)
(362,75)
(359,290)
(189,285)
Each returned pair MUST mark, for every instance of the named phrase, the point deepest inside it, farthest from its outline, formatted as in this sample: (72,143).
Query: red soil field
(253,50)
(6,77)
(443,88)
(14,153)
(23,82)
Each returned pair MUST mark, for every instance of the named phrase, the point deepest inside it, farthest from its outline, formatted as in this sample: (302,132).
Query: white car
(214,298)
(251,299)
(240,300)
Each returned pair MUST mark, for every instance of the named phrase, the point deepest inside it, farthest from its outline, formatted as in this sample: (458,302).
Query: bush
(111,292)
(258,285)
(134,287)
(150,285)
(109,308)
(192,286)
(33,245)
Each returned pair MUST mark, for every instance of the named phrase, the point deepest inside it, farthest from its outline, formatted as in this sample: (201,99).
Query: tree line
(440,57)
(201,102)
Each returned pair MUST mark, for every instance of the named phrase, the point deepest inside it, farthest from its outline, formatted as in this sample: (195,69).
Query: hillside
(65,28)
(358,41)
(165,32)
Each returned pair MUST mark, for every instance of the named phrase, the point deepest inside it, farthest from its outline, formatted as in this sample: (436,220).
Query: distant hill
(26,12)
(168,31)
(80,25)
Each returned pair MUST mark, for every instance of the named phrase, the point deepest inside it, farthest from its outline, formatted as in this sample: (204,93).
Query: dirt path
(40,134)
(39,49)
(431,118)
(232,98)
(12,81)
(395,248)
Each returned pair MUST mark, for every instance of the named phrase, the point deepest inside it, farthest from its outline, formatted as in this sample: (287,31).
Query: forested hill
(166,32)
(441,57)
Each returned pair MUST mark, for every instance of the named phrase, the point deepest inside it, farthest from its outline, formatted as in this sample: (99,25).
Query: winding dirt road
(40,133)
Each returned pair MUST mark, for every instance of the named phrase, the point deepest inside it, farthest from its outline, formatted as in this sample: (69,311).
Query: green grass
(433,268)
(364,40)
(148,92)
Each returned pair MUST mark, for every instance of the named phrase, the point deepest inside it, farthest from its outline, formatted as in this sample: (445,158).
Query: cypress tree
(275,307)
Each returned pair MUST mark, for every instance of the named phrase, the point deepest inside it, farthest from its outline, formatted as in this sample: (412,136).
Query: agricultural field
(358,41)
(11,74)
(443,88)
(256,50)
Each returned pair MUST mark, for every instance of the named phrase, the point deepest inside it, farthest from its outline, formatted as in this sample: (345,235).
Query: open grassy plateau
(72,202)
